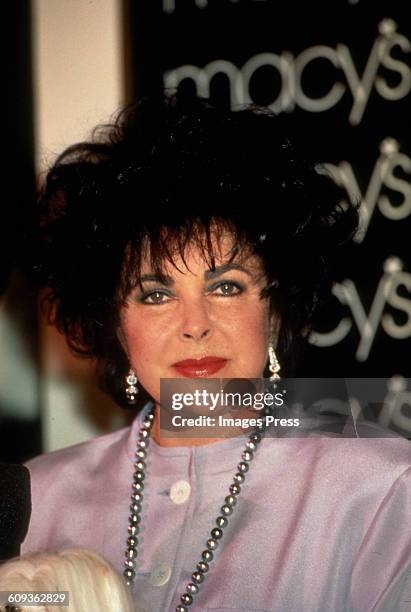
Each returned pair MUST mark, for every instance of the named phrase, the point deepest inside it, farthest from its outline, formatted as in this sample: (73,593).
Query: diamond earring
(274,366)
(131,387)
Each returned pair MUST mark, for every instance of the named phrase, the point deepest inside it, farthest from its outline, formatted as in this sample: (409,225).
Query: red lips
(199,368)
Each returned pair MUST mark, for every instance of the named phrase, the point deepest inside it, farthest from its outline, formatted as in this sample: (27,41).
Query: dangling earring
(131,387)
(274,366)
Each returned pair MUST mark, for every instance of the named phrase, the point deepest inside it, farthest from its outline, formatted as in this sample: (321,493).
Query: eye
(154,297)
(228,289)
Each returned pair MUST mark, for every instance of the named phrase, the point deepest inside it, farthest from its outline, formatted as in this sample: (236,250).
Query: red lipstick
(199,368)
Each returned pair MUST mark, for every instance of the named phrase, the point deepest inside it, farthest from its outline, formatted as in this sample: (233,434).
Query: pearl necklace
(216,533)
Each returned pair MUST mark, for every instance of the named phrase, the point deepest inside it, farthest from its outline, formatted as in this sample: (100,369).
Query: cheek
(145,346)
(253,328)
(138,338)
(249,335)
(143,340)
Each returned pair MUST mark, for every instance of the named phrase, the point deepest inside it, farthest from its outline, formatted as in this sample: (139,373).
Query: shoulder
(69,486)
(86,456)
(378,449)
(373,465)
(369,466)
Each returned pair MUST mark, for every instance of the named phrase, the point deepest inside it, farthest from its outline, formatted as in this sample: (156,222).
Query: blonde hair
(92,582)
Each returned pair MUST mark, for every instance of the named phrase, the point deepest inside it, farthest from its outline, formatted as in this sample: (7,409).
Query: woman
(162,261)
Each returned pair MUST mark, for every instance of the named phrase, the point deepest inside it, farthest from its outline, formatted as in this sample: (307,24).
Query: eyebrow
(157,278)
(208,274)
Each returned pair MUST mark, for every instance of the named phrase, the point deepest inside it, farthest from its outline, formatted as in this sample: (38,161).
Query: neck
(187,437)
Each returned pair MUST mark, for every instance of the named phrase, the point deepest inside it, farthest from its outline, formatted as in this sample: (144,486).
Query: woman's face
(195,322)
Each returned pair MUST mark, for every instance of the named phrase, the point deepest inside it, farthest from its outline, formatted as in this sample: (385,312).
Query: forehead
(200,254)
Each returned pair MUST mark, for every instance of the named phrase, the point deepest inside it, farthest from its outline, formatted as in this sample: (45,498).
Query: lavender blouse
(322,523)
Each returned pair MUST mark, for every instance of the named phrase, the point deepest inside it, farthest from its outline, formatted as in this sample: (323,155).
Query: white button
(180,491)
(160,575)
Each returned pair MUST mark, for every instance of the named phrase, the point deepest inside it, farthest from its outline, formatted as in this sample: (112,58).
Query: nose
(195,324)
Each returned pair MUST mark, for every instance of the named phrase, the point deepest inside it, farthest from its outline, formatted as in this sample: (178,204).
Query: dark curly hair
(168,172)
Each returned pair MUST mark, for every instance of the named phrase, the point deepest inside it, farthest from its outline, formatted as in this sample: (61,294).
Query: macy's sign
(292,68)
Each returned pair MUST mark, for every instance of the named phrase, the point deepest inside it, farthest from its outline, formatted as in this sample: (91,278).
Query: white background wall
(78,83)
